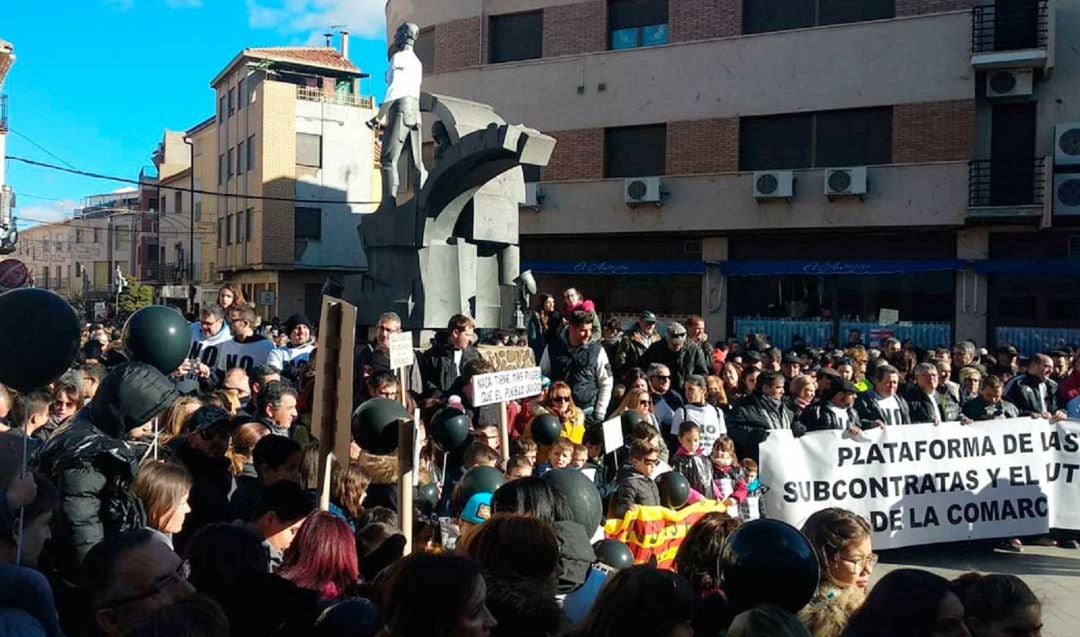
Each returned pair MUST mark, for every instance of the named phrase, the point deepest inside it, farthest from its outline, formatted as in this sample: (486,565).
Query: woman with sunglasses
(560,402)
(841,540)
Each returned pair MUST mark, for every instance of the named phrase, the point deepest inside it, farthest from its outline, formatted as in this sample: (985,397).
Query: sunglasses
(560,399)
(678,336)
(645,402)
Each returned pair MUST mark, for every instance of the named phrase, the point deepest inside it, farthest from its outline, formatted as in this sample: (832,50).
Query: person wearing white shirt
(399,114)
(246,349)
(709,418)
(285,359)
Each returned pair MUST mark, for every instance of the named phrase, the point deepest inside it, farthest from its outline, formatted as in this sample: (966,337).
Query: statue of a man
(399,115)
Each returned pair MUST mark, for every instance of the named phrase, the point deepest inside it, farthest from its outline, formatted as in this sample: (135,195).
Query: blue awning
(615,268)
(1033,267)
(821,268)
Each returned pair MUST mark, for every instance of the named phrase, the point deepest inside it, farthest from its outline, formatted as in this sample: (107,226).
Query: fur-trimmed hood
(381,469)
(829,610)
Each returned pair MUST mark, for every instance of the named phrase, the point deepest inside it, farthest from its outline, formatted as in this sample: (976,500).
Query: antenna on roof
(329,38)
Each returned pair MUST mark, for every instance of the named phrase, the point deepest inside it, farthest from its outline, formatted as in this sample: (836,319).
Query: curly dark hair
(698,559)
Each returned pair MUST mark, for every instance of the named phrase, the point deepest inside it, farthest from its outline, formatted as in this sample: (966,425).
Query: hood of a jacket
(131,395)
(80,443)
(576,555)
(382,469)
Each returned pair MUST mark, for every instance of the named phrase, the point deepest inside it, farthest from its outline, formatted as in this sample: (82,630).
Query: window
(855,137)
(161,205)
(240,158)
(221,109)
(220,169)
(78,270)
(425,48)
(230,163)
(96,236)
(307,224)
(250,152)
(239,227)
(198,208)
(637,23)
(761,16)
(309,150)
(179,196)
(78,236)
(241,94)
(518,36)
(228,230)
(635,151)
(247,224)
(232,101)
(69,271)
(220,232)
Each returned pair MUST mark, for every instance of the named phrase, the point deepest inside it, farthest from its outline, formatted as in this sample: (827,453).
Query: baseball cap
(751,355)
(790,358)
(648,317)
(207,417)
(847,387)
(478,509)
(545,382)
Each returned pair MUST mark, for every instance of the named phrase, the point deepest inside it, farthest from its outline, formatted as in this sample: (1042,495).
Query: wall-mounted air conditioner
(845,182)
(1009,83)
(774,184)
(643,190)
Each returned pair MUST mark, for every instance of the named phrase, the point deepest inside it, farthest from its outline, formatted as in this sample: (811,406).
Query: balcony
(1013,34)
(313,94)
(160,273)
(1007,190)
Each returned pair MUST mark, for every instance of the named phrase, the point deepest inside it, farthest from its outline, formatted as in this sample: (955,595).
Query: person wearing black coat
(441,365)
(682,358)
(835,409)
(761,412)
(1034,393)
(202,453)
(882,405)
(925,404)
(93,468)
(988,405)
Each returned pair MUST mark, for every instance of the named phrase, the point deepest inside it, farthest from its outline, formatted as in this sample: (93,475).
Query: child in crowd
(727,477)
(636,486)
(29,414)
(276,459)
(518,467)
(560,457)
(606,465)
(527,447)
(690,460)
(754,491)
(479,454)
(580,457)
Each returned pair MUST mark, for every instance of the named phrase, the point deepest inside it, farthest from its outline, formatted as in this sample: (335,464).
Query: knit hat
(297,319)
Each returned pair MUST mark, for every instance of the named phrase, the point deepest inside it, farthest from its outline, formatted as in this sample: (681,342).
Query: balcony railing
(1020,182)
(1009,25)
(313,94)
(164,273)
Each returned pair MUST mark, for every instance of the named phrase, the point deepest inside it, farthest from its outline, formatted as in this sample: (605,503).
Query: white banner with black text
(923,484)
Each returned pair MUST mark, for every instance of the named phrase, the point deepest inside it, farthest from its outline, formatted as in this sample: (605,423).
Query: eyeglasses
(678,336)
(659,377)
(158,585)
(645,402)
(560,399)
(650,462)
(865,564)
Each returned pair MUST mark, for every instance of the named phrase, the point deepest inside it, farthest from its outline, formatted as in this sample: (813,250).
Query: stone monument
(450,245)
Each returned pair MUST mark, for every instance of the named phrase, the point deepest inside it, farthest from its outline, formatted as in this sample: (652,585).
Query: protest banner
(331,412)
(502,387)
(921,484)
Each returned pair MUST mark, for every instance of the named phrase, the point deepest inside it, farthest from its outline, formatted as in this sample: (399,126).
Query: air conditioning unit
(1009,83)
(640,190)
(1067,144)
(1067,194)
(845,182)
(534,196)
(774,184)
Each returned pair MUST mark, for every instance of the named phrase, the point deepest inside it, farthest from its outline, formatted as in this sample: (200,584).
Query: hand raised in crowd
(204,371)
(1057,416)
(854,432)
(21,491)
(184,368)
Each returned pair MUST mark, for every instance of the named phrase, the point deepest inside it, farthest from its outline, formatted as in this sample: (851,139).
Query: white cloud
(311,18)
(183,4)
(45,212)
(119,5)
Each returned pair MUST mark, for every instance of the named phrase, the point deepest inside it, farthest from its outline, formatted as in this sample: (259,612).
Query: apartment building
(7,194)
(296,165)
(741,158)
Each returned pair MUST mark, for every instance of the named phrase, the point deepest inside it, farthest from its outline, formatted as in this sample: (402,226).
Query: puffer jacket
(437,366)
(634,489)
(631,347)
(754,418)
(696,468)
(93,468)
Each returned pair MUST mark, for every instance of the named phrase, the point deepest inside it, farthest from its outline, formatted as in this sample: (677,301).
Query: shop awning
(822,268)
(1030,267)
(615,268)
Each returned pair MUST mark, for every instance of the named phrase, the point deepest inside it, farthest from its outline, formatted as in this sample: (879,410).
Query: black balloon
(581,494)
(426,498)
(480,480)
(158,336)
(674,489)
(629,420)
(613,553)
(546,429)
(450,429)
(768,562)
(41,338)
(375,425)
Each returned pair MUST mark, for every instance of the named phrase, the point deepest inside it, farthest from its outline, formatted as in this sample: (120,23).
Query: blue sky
(96,82)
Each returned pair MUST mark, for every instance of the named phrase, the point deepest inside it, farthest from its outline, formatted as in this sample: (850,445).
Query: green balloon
(426,497)
(158,336)
(674,489)
(629,419)
(375,425)
(450,428)
(581,494)
(546,429)
(41,338)
(613,553)
(480,480)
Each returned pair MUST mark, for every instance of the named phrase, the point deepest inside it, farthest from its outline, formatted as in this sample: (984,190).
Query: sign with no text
(401,352)
(499,387)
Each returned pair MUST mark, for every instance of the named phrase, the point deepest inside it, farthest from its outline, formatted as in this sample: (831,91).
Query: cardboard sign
(401,351)
(887,316)
(500,387)
(613,438)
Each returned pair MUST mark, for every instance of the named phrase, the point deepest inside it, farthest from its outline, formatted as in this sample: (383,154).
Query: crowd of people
(185,503)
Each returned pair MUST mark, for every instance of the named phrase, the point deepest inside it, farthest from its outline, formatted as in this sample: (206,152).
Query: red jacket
(1070,388)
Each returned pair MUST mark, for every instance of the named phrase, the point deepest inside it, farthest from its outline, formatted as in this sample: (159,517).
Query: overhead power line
(43,149)
(214,193)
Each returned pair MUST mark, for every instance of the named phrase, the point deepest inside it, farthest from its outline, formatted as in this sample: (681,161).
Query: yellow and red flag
(656,531)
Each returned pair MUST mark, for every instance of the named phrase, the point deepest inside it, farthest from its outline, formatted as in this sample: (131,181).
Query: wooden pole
(331,414)
(504,435)
(405,482)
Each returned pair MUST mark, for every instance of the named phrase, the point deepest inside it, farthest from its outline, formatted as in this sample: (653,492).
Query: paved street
(1054,575)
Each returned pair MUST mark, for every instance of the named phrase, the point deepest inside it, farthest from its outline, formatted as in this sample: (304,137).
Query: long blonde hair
(161,486)
(632,401)
(175,416)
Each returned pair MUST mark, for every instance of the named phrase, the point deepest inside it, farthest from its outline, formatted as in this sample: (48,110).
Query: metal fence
(1019,182)
(818,333)
(1031,340)
(1009,25)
